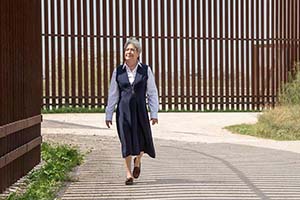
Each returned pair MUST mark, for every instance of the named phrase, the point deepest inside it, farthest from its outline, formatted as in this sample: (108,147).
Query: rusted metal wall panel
(21,86)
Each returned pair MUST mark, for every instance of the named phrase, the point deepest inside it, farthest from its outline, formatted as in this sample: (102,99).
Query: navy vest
(132,117)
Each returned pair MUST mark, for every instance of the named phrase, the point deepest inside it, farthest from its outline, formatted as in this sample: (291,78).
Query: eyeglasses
(130,49)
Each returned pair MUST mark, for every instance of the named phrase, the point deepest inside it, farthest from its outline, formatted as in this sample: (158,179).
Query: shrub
(282,122)
(290,92)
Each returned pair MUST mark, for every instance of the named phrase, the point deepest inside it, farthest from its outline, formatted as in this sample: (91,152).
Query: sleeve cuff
(153,115)
(108,117)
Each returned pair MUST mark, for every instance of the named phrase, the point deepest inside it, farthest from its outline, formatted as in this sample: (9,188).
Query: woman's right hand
(108,123)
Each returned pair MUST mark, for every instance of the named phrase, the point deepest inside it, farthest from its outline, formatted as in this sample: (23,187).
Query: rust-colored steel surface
(59,54)
(98,52)
(66,57)
(175,59)
(21,88)
(157,62)
(92,55)
(181,95)
(206,54)
(85,65)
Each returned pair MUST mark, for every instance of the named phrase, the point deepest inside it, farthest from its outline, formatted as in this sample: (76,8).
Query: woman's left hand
(154,121)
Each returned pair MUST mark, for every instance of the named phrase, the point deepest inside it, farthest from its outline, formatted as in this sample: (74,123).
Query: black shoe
(129,181)
(136,170)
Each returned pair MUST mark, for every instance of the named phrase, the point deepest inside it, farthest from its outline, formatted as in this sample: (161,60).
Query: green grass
(73,110)
(282,122)
(102,110)
(44,183)
(219,111)
(244,129)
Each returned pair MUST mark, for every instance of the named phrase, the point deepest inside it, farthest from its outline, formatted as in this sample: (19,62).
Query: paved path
(183,169)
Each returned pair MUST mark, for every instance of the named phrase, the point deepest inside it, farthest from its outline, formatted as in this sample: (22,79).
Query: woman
(131,83)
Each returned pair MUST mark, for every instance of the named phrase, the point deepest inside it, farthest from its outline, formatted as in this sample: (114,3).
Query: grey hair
(135,43)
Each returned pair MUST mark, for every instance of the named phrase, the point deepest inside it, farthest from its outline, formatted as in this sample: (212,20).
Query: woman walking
(131,84)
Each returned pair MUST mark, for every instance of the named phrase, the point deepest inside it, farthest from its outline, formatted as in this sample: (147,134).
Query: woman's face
(131,53)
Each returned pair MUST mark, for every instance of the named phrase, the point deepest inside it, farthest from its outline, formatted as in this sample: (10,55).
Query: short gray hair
(135,43)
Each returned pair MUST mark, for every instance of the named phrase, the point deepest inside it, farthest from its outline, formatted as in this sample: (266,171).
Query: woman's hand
(154,121)
(108,123)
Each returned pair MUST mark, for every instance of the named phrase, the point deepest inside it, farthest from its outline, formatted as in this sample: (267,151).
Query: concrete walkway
(196,159)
